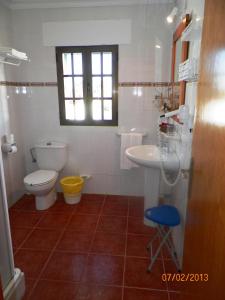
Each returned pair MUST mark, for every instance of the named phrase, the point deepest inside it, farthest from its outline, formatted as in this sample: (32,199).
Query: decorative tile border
(121,84)
(28,84)
(146,84)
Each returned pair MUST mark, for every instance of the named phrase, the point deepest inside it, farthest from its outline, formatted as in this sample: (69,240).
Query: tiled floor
(95,250)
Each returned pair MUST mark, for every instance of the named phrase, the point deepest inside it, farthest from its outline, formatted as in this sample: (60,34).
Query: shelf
(11,56)
(176,119)
(171,136)
(192,32)
(188,70)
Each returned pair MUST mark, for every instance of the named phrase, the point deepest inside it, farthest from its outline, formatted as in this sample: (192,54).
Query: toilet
(51,158)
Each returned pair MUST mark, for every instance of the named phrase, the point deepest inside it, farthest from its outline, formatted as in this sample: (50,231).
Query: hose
(171,184)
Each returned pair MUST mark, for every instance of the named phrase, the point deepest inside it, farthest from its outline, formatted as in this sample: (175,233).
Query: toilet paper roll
(13,149)
(10,139)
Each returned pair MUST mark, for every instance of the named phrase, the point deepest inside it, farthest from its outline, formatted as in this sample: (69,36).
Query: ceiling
(24,4)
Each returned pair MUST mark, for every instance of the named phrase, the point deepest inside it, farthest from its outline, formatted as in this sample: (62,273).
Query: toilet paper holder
(9,148)
(10,145)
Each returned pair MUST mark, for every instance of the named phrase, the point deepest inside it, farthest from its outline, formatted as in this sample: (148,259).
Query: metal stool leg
(152,240)
(164,238)
(168,242)
(169,246)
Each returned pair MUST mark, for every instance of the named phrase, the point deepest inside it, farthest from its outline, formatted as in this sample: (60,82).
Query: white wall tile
(97,184)
(92,150)
(14,165)
(113,184)
(132,183)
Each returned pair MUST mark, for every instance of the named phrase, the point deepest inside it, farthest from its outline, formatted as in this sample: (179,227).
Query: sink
(148,156)
(144,155)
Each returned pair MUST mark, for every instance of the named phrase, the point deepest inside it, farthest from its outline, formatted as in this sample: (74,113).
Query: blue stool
(164,216)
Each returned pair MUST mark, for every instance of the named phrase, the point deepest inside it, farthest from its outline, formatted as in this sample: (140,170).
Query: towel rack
(120,131)
(12,57)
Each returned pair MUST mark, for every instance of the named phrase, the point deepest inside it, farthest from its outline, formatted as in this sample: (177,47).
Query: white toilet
(51,158)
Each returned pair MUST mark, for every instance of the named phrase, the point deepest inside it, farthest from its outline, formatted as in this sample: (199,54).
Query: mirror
(179,54)
(178,59)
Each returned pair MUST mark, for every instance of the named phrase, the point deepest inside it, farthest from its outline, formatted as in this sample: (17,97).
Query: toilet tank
(51,155)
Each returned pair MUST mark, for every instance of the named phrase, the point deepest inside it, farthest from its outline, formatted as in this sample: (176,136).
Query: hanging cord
(171,184)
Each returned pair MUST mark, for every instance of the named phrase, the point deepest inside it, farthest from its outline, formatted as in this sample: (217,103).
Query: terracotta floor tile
(136,245)
(136,274)
(61,206)
(97,273)
(141,294)
(13,213)
(95,197)
(90,206)
(65,266)
(75,241)
(136,211)
(54,290)
(136,200)
(102,269)
(29,283)
(26,202)
(94,292)
(19,235)
(25,219)
(175,296)
(31,262)
(166,253)
(109,243)
(83,223)
(171,268)
(136,207)
(112,224)
(136,225)
(115,205)
(42,239)
(53,220)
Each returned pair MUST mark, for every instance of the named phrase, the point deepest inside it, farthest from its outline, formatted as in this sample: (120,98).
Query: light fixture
(158,46)
(171,16)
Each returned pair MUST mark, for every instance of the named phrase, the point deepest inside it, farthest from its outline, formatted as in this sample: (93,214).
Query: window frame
(87,83)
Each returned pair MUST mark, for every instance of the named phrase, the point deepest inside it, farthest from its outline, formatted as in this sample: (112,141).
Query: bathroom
(96,249)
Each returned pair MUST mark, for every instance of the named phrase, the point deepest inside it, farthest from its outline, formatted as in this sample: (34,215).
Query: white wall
(9,122)
(180,191)
(94,150)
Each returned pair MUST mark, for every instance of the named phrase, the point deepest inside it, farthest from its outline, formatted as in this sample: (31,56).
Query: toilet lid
(40,177)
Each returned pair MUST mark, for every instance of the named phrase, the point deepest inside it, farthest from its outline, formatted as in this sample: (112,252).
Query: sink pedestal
(151,190)
(148,156)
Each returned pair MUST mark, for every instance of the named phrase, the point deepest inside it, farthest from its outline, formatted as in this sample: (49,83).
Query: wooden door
(204,249)
(1,291)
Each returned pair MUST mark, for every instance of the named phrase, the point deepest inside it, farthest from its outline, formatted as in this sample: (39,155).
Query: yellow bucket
(72,187)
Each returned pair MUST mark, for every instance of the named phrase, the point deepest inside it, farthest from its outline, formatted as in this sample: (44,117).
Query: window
(88,85)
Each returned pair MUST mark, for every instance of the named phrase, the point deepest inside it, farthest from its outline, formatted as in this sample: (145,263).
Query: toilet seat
(40,177)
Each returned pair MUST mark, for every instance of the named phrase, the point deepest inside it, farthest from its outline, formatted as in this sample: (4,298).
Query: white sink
(144,155)
(149,156)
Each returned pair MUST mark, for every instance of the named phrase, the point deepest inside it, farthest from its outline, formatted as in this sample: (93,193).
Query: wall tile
(92,150)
